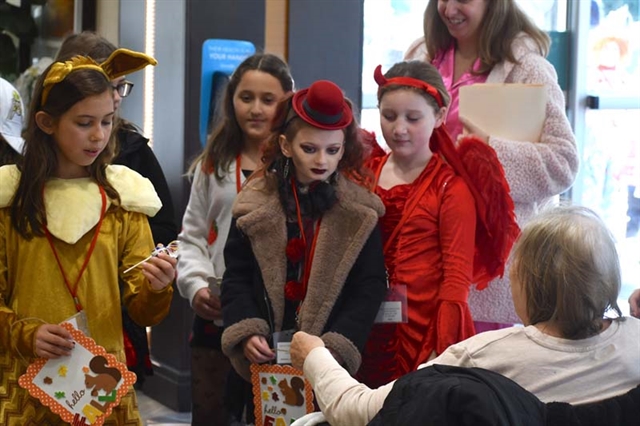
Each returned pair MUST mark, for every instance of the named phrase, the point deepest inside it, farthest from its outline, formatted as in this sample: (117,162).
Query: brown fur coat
(346,285)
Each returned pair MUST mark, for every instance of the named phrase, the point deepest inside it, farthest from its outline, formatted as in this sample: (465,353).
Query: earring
(285,172)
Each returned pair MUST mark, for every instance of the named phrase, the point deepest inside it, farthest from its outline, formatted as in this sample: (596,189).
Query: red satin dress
(433,256)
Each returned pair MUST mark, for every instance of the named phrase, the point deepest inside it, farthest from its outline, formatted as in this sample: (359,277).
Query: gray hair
(567,264)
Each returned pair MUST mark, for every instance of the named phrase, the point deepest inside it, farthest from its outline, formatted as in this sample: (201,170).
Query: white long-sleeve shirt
(210,201)
(554,369)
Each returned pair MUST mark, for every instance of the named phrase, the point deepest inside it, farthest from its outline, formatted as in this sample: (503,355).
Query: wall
(276,26)
(107,20)
(325,42)
(228,19)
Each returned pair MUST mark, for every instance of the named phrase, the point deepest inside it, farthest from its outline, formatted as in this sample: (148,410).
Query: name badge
(282,345)
(394,308)
(79,321)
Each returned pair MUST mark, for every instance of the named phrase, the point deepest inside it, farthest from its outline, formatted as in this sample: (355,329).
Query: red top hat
(323,106)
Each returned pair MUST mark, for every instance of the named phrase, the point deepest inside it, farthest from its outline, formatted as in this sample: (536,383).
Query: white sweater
(210,201)
(554,369)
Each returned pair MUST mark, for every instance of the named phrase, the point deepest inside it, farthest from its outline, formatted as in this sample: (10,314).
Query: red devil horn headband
(406,81)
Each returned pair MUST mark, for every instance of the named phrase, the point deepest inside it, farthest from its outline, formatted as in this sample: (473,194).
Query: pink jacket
(536,171)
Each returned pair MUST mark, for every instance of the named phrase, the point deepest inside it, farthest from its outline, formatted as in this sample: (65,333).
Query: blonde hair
(567,266)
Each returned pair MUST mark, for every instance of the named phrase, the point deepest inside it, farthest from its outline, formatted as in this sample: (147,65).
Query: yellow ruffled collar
(73,205)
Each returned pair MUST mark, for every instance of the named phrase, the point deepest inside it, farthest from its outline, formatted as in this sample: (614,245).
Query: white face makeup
(315,153)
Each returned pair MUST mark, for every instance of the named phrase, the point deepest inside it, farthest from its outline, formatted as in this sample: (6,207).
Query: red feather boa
(496,230)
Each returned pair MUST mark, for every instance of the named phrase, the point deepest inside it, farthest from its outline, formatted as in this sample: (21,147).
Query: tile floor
(155,414)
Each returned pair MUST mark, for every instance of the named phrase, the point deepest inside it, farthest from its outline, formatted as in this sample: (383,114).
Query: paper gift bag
(81,388)
(281,394)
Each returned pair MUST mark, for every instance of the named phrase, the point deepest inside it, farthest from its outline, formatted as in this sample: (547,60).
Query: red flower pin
(213,233)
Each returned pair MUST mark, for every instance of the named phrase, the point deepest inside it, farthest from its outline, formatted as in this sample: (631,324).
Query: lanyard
(74,290)
(309,255)
(238,171)
(413,202)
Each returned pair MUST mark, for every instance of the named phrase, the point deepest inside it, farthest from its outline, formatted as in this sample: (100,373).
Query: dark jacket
(621,410)
(346,285)
(135,153)
(444,395)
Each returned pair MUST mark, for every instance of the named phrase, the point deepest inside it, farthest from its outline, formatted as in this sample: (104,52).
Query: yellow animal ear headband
(120,62)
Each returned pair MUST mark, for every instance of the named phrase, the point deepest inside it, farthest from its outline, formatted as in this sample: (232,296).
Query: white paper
(509,111)
(283,353)
(79,322)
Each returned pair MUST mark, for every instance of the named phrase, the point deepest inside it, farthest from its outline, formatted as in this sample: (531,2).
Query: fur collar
(345,229)
(73,205)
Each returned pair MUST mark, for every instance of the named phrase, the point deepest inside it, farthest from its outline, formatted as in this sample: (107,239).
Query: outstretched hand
(301,344)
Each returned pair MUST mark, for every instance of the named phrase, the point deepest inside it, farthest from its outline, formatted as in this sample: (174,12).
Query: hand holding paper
(82,388)
(471,129)
(207,305)
(53,341)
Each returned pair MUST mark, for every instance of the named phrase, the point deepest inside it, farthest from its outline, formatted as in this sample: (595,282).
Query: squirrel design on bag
(292,393)
(107,378)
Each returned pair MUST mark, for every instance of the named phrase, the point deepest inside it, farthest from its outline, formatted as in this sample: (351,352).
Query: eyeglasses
(124,88)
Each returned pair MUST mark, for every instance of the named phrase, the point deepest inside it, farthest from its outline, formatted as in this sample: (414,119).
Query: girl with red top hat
(436,202)
(304,251)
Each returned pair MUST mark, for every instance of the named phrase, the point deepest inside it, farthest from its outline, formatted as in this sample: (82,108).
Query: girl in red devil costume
(442,202)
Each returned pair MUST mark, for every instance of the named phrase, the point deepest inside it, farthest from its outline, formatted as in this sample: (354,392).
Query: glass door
(608,123)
